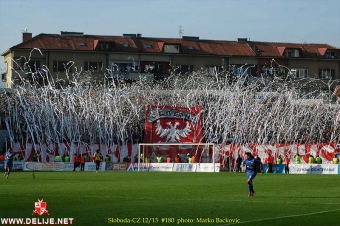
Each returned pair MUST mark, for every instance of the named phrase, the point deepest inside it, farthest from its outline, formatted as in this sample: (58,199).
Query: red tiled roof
(155,45)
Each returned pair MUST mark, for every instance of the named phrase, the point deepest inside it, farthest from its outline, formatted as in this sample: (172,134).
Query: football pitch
(162,198)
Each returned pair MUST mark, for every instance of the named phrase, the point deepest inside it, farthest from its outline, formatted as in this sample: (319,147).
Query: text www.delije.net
(37,221)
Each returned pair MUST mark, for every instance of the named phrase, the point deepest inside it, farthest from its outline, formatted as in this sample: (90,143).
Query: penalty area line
(273,218)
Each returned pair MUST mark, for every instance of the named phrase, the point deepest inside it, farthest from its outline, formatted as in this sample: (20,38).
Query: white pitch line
(151,198)
(273,218)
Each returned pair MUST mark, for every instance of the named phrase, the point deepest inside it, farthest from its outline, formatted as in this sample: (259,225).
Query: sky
(295,21)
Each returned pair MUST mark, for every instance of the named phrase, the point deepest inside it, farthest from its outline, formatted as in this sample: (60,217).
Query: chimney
(26,36)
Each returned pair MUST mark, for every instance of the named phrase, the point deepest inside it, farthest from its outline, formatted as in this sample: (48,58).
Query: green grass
(92,198)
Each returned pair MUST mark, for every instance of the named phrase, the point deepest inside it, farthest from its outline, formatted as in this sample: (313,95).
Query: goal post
(198,152)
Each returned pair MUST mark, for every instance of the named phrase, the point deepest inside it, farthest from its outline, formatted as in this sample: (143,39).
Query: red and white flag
(168,124)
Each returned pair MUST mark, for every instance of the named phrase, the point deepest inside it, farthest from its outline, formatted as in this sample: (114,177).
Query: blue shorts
(8,164)
(251,176)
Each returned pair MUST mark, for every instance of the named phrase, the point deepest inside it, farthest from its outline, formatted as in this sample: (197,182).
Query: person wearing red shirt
(75,162)
(286,161)
(193,159)
(270,161)
(82,162)
(178,159)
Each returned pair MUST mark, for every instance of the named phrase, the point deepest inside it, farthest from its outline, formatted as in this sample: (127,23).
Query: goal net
(176,152)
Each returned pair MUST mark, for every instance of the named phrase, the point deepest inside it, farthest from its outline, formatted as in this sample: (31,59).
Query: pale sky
(295,21)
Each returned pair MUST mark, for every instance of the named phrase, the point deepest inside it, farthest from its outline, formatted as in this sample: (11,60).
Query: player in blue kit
(251,164)
(8,162)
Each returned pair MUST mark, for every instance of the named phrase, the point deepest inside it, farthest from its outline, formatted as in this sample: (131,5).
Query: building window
(93,66)
(292,53)
(185,68)
(105,46)
(62,66)
(125,45)
(299,73)
(124,67)
(270,71)
(148,46)
(241,71)
(332,54)
(171,48)
(82,44)
(28,66)
(152,68)
(3,77)
(190,47)
(213,70)
(326,73)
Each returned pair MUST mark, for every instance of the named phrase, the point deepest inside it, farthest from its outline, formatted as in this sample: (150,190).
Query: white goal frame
(141,149)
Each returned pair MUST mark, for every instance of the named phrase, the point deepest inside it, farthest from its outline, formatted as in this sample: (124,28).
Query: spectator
(194,159)
(57,158)
(279,160)
(297,158)
(178,159)
(75,161)
(97,160)
(318,160)
(286,162)
(126,159)
(335,160)
(35,157)
(270,161)
(189,159)
(82,162)
(258,166)
(67,158)
(238,163)
(159,158)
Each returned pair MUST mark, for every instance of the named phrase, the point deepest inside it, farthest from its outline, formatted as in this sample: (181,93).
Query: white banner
(116,166)
(324,169)
(142,166)
(313,168)
(43,166)
(184,167)
(91,166)
(18,165)
(161,166)
(69,166)
(60,166)
(207,167)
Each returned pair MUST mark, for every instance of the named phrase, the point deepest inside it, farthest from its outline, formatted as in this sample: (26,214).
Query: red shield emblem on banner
(168,124)
(40,208)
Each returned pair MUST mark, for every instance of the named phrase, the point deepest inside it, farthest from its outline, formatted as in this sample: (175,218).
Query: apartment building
(100,57)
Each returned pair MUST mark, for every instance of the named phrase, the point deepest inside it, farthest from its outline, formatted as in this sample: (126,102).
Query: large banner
(277,168)
(228,153)
(168,124)
(60,166)
(224,153)
(313,168)
(161,167)
(47,152)
(175,167)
